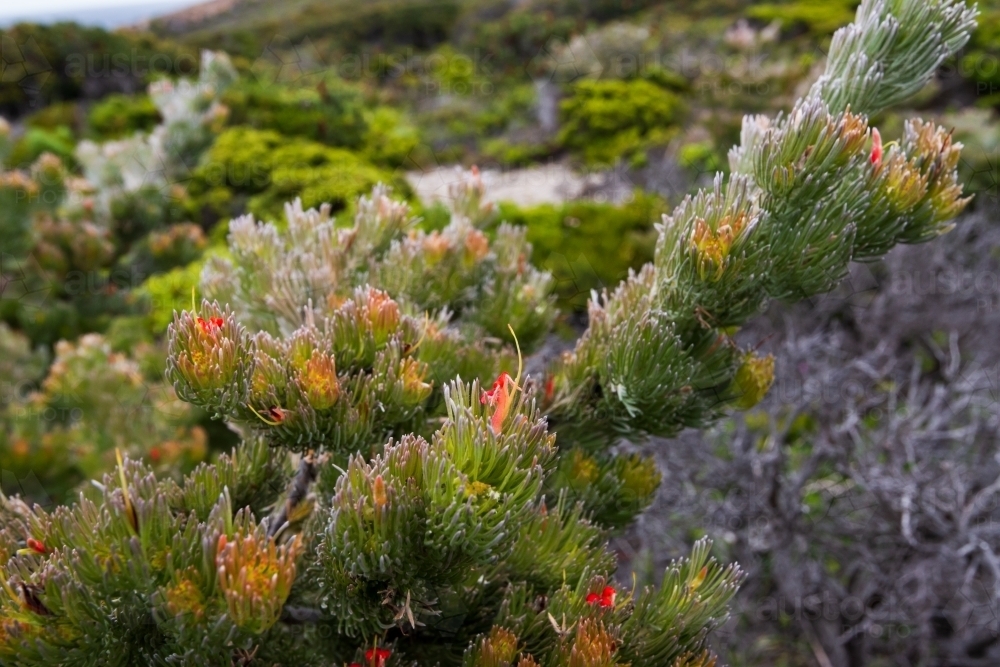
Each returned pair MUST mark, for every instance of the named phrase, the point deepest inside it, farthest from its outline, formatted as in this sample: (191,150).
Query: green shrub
(347,26)
(518,37)
(37,140)
(93,401)
(510,106)
(21,365)
(164,293)
(330,113)
(55,115)
(514,155)
(609,120)
(589,245)
(516,33)
(261,170)
(66,61)
(136,213)
(394,24)
(122,115)
(165,249)
(820,17)
(390,138)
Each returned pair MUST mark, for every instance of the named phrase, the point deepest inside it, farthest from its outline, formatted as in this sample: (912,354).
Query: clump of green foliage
(259,170)
(589,245)
(66,61)
(63,431)
(330,112)
(118,116)
(390,138)
(606,121)
(37,141)
(819,17)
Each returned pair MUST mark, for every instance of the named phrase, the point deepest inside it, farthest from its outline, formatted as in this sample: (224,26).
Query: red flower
(378,655)
(494,394)
(876,147)
(499,397)
(211,324)
(374,657)
(605,599)
(550,388)
(36,545)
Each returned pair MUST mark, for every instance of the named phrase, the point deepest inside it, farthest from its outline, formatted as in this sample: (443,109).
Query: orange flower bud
(876,157)
(499,397)
(379,496)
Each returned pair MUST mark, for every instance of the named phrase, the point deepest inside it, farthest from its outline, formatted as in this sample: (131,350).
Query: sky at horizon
(108,13)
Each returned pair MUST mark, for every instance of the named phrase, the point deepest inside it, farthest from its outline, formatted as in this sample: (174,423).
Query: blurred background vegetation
(625,105)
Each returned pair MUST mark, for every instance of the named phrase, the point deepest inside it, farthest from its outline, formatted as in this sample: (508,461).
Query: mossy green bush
(119,116)
(588,245)
(610,120)
(819,17)
(163,293)
(330,112)
(259,170)
(390,138)
(510,154)
(55,115)
(37,141)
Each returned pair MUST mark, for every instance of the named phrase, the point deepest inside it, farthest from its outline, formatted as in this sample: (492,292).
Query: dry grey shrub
(863,496)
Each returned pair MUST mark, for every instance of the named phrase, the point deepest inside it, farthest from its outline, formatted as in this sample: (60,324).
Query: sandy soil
(543,184)
(548,184)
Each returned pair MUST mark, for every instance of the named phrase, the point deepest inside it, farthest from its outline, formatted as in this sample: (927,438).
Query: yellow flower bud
(318,379)
(255,577)
(712,246)
(752,380)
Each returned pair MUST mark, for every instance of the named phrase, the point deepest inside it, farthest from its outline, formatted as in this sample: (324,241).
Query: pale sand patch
(546,184)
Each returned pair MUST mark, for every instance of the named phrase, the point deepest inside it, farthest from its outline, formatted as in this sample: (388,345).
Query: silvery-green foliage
(152,162)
